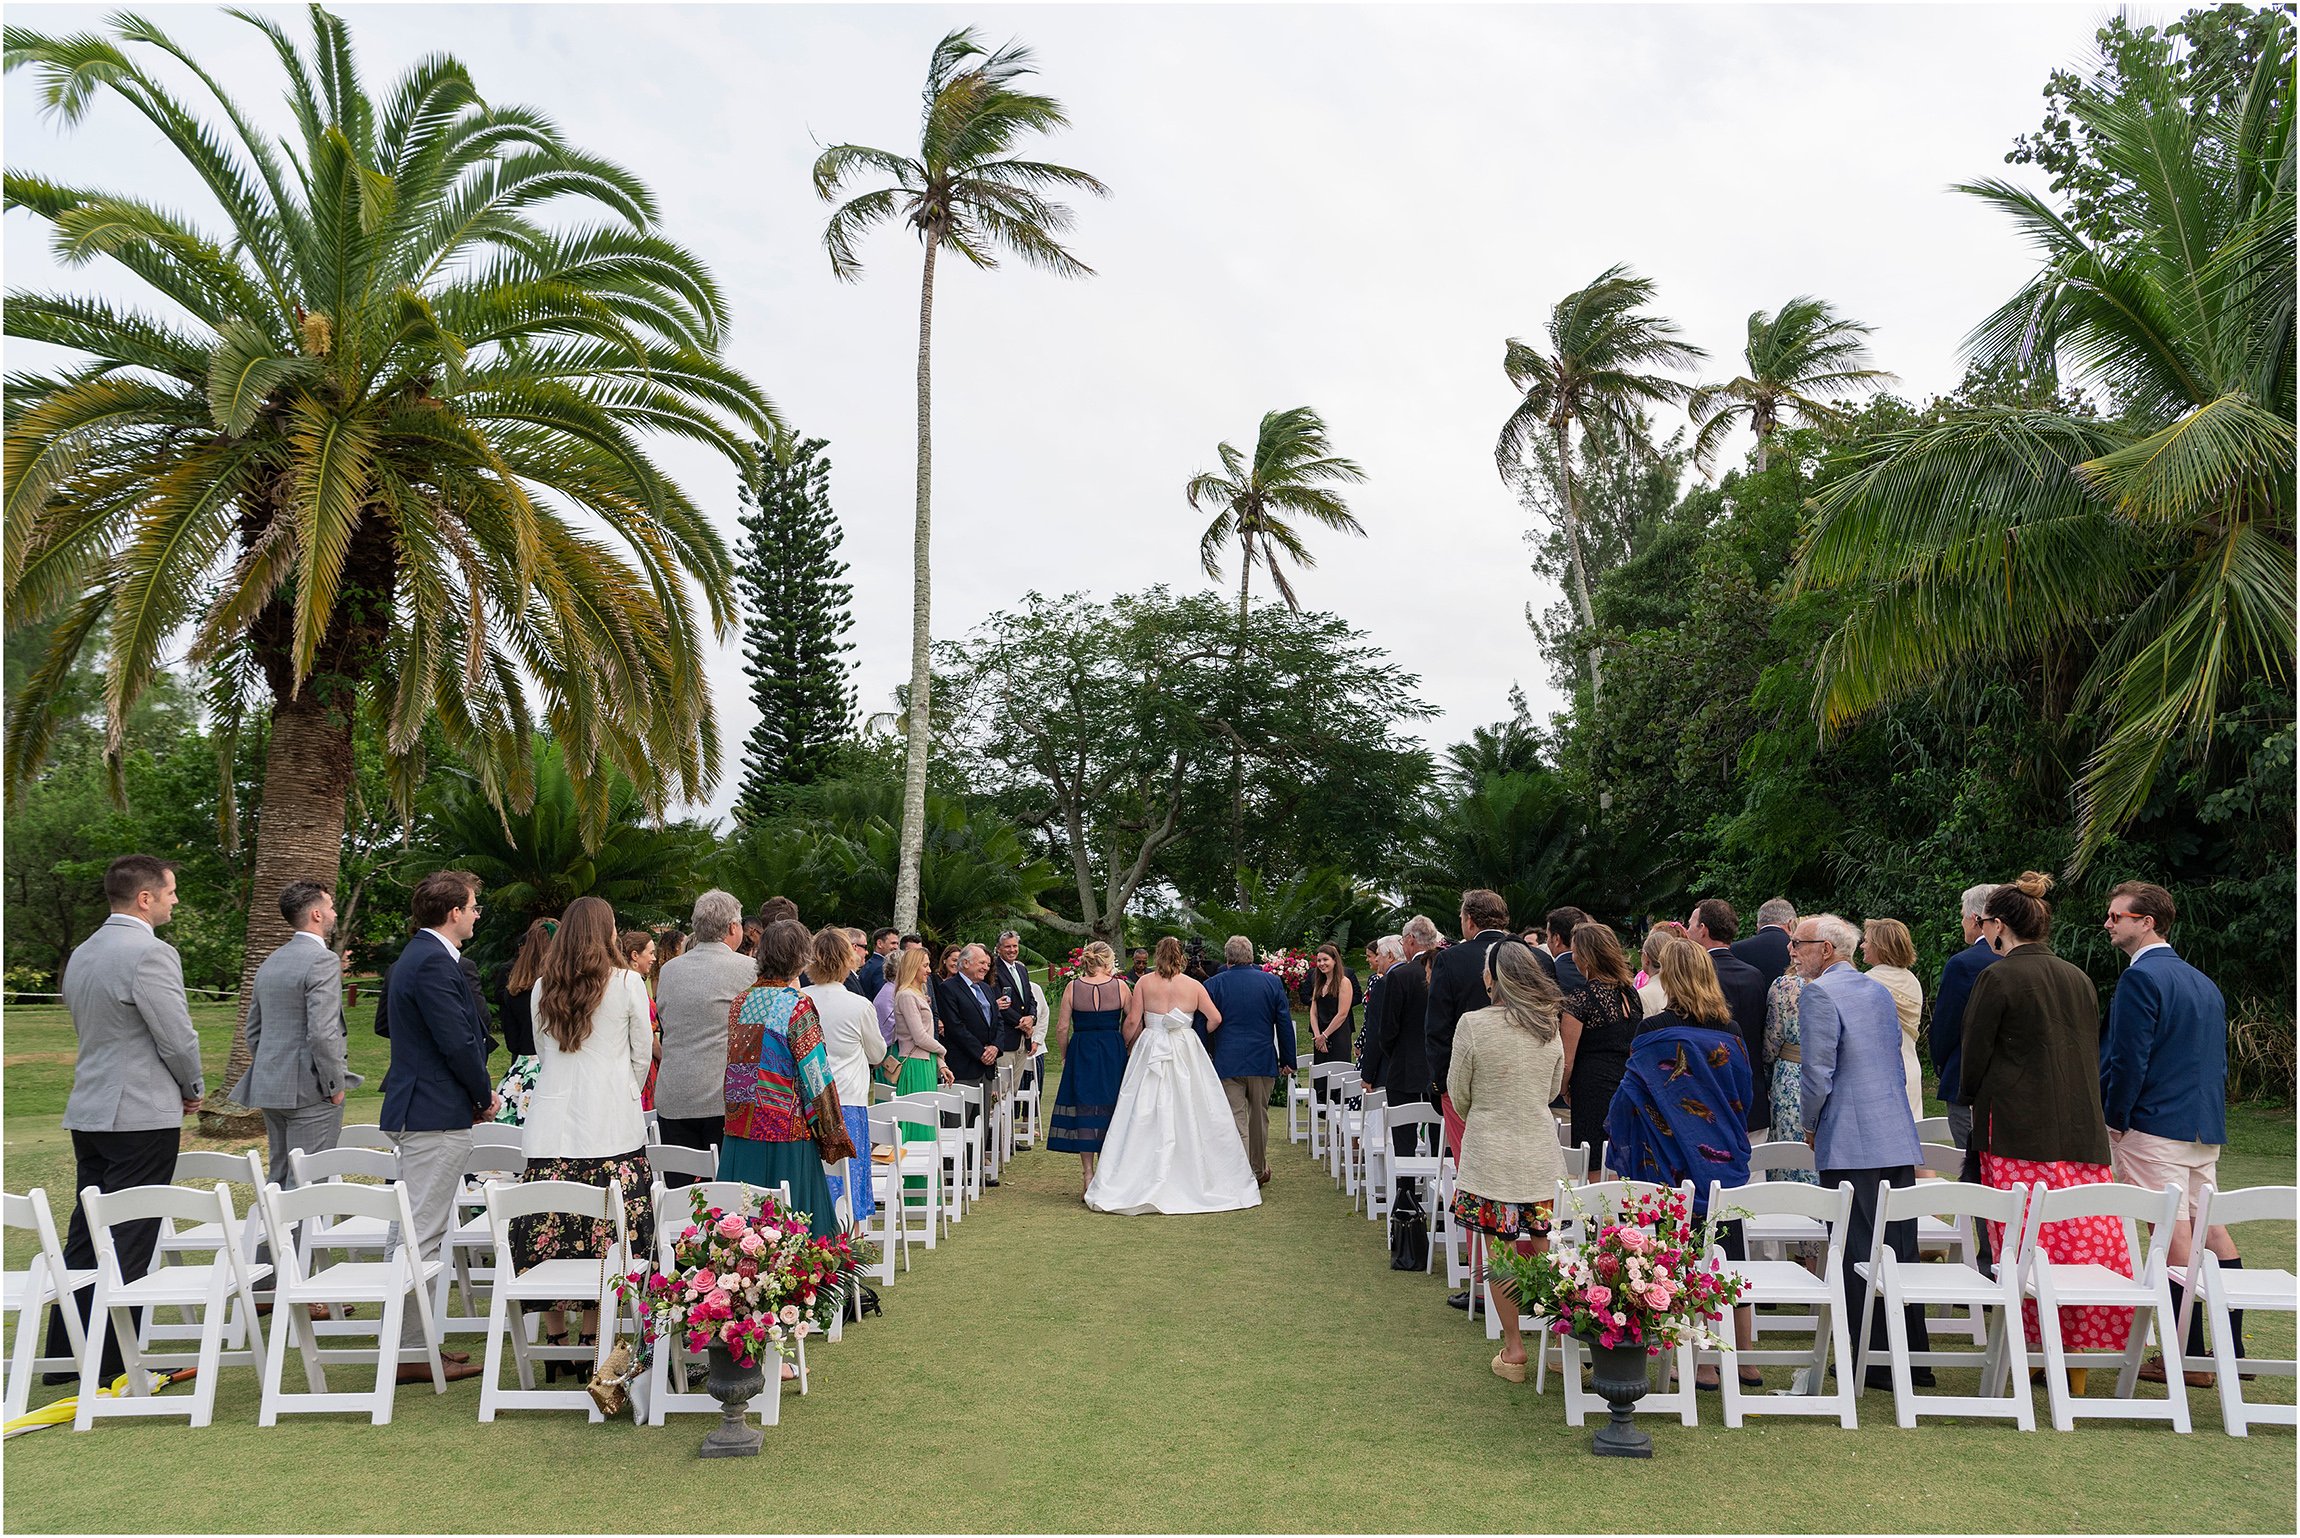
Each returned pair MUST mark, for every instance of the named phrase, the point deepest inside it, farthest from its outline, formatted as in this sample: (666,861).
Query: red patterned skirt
(2072,1241)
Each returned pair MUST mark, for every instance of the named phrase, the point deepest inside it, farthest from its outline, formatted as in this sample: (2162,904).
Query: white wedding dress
(1172,1146)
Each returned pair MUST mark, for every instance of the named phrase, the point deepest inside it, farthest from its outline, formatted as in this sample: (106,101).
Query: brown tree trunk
(299,837)
(918,712)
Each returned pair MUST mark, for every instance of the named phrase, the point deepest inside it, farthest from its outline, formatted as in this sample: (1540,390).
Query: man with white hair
(1856,1108)
(1948,1034)
(1768,949)
(693,994)
(1381,955)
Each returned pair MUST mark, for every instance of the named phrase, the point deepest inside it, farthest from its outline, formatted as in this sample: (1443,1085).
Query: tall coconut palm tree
(1293,473)
(967,193)
(378,446)
(1801,359)
(1593,378)
(2152,546)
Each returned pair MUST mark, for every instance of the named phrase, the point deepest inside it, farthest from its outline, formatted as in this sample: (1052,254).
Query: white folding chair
(887,1227)
(351,1235)
(673,1159)
(500,1136)
(2055,1285)
(1027,1097)
(1893,1286)
(1958,1239)
(200,1169)
(1935,1129)
(1358,1152)
(2265,1289)
(1321,1105)
(396,1282)
(46,1281)
(975,1128)
(664,1388)
(547,1282)
(214,1287)
(469,1248)
(891,1184)
(371,1136)
(945,1156)
(1574,1210)
(1299,1116)
(1342,1119)
(1786,1282)
(1420,1166)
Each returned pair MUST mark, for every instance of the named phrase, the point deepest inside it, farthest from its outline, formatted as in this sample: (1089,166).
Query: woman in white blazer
(593,1043)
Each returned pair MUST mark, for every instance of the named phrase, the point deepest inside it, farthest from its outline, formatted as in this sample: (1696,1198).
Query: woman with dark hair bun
(783,1117)
(2032,1067)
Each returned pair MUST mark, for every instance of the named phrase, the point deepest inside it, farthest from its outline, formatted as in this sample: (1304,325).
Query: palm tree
(1599,341)
(964,192)
(1292,475)
(377,449)
(1800,359)
(2152,546)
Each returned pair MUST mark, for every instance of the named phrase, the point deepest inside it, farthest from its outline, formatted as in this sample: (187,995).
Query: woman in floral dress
(2032,1065)
(1784,1049)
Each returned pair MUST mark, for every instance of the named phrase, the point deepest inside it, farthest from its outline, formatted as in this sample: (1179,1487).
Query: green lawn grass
(1052,1369)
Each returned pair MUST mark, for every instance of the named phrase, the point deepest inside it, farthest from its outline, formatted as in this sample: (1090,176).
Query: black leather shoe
(1458,1300)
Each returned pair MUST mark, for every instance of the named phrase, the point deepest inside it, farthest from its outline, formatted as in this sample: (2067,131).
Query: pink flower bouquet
(1644,1279)
(742,1280)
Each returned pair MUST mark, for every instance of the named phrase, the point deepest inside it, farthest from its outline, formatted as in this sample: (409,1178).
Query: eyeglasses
(2127,917)
(1793,944)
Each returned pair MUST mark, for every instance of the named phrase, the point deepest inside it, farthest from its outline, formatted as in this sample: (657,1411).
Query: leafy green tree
(1306,907)
(2151,548)
(966,192)
(797,611)
(355,445)
(1293,473)
(1802,359)
(1591,380)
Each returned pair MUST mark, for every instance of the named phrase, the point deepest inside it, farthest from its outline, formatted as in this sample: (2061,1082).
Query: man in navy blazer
(1947,1038)
(1712,927)
(1252,1047)
(437,1084)
(2164,1077)
(1768,949)
(1853,1097)
(971,1018)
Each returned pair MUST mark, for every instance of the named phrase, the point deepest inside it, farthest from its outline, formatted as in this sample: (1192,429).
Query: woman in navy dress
(1093,1058)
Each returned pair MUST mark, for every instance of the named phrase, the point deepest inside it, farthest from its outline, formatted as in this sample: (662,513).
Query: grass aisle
(1053,1369)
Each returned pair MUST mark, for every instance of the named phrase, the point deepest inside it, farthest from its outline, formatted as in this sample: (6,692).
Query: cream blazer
(586,1103)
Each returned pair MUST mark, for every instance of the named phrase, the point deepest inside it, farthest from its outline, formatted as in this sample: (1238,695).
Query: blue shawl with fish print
(1680,1110)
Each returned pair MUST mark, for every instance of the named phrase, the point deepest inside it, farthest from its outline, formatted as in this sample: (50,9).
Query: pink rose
(1634,1240)
(753,1242)
(731,1227)
(1599,1296)
(703,1280)
(789,1314)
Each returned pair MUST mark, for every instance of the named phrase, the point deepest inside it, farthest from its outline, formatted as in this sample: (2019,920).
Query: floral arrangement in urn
(1645,1279)
(742,1281)
(1287,966)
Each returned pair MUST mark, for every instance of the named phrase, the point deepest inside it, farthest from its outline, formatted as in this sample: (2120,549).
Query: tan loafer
(1513,1372)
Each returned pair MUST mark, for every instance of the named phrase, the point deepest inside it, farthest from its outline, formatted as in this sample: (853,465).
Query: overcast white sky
(1343,207)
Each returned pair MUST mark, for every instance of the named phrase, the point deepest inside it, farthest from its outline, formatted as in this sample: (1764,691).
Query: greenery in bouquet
(745,1280)
(1646,1278)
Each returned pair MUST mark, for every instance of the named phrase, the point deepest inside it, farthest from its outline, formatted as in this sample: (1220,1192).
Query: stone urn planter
(1621,1375)
(734,1386)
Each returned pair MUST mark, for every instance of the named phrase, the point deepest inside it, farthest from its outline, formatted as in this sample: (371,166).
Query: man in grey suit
(1854,1099)
(693,993)
(137,1073)
(295,1033)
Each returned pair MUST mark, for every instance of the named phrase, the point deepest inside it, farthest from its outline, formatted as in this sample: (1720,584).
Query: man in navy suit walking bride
(1253,1045)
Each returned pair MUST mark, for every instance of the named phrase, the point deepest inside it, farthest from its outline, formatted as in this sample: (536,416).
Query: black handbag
(1409,1233)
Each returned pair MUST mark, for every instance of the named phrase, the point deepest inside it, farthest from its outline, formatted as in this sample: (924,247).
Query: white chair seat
(1783,1281)
(364,1281)
(1940,1282)
(2094,1284)
(176,1286)
(1783,1228)
(1932,1230)
(2245,1288)
(554,1279)
(18,1288)
(200,1236)
(351,1234)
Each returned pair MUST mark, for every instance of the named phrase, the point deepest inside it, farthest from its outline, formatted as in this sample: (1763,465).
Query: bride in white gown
(1172,1146)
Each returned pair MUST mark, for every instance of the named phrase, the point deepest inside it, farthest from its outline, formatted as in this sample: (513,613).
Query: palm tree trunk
(1573,549)
(915,745)
(1761,437)
(307,785)
(1237,750)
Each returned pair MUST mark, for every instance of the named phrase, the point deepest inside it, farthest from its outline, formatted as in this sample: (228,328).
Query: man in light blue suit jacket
(1252,1046)
(1855,1104)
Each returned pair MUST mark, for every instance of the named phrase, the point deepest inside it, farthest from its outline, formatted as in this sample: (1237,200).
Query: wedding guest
(945,972)
(1712,927)
(1648,980)
(1785,1051)
(437,1084)
(972,1022)
(1195,965)
(639,953)
(1768,949)
(1681,1111)
(1597,1024)
(2164,1082)
(1405,1011)
(135,1078)
(1010,978)
(299,1066)
(1139,964)
(584,1124)
(1948,1033)
(1855,1109)
(853,1046)
(693,997)
(778,908)
(1507,1064)
(1890,953)
(873,975)
(783,1117)
(922,1053)
(749,944)
(1088,1030)
(1457,986)
(1381,955)
(2031,1064)
(1556,944)
(1331,992)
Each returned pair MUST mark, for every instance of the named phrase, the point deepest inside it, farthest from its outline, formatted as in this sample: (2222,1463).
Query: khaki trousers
(1249,1099)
